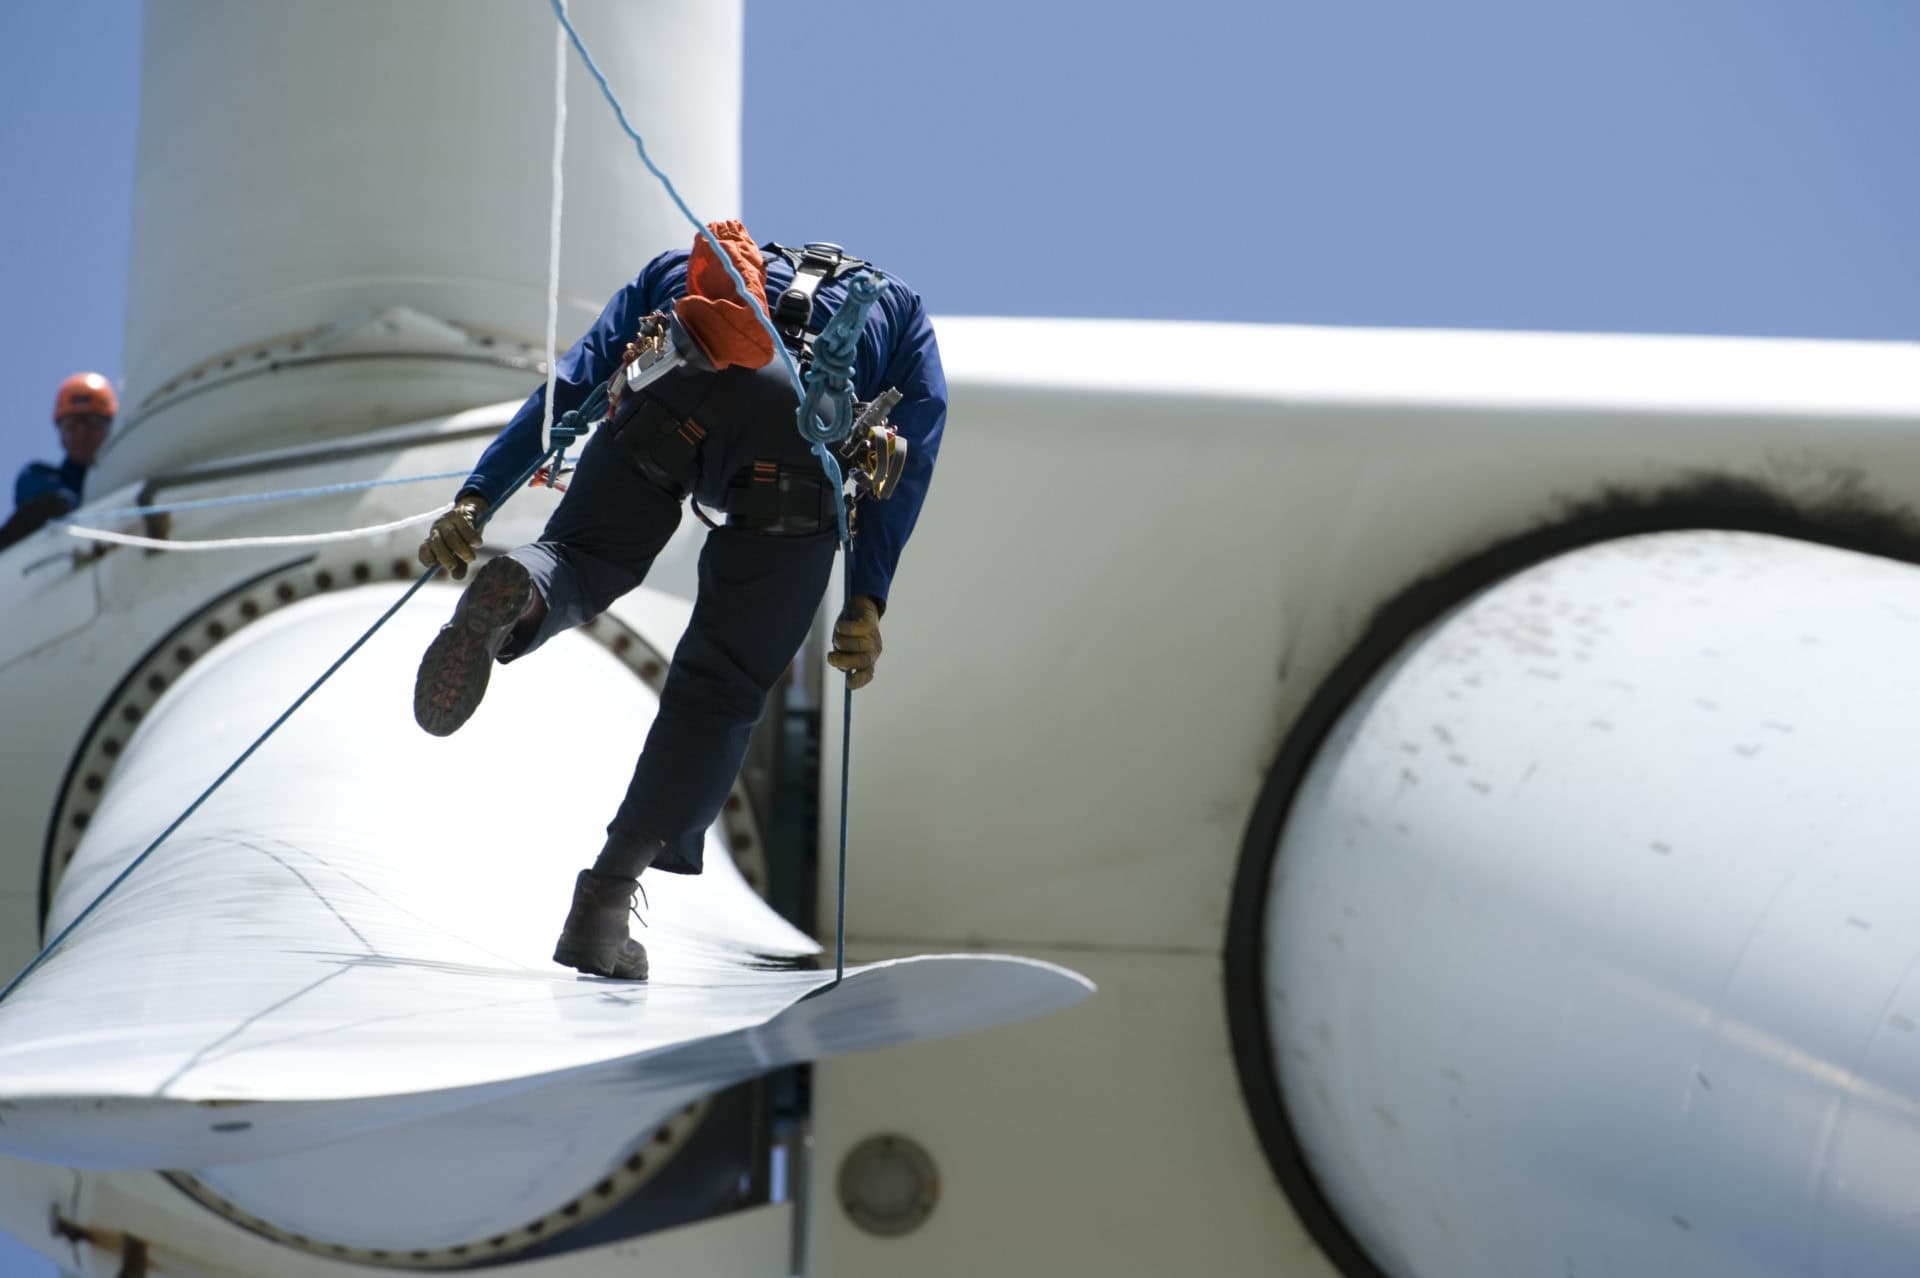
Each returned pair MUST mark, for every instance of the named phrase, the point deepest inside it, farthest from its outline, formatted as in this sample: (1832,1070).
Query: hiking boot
(453,673)
(594,939)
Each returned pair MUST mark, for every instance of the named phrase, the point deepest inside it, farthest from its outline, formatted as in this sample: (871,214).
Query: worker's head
(84,411)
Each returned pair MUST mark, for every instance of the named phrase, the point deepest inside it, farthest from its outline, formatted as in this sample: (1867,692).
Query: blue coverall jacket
(37,479)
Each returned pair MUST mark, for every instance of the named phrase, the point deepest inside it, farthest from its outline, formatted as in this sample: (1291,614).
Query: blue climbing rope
(826,418)
(826,406)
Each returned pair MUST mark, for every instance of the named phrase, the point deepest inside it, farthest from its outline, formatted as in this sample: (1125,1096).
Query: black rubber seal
(1846,517)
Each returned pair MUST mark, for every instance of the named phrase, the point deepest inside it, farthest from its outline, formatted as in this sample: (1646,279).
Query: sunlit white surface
(1440,368)
(340,210)
(1595,924)
(340,964)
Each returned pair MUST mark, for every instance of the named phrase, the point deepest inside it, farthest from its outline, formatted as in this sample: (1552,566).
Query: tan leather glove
(454,539)
(856,641)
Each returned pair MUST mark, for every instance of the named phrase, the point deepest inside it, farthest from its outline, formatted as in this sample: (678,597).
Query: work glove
(856,640)
(721,322)
(454,539)
(727,333)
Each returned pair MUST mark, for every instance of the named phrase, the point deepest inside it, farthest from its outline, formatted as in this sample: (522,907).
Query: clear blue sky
(1681,166)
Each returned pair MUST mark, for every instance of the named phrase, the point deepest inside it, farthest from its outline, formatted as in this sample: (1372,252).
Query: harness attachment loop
(826,409)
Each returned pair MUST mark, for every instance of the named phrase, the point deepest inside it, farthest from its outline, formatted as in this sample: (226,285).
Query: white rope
(553,231)
(241,543)
(560,45)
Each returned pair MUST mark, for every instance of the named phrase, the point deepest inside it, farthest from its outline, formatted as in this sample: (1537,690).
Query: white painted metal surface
(1112,1131)
(1592,943)
(1278,517)
(337,973)
(1186,547)
(1462,370)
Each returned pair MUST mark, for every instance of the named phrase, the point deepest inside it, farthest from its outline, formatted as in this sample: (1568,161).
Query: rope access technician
(83,413)
(701,407)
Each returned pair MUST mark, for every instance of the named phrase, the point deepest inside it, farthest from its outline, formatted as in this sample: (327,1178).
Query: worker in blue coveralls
(83,411)
(702,407)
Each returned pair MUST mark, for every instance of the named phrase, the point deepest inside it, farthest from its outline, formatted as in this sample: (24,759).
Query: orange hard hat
(86,393)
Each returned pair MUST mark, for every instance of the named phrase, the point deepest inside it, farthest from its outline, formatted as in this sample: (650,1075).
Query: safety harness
(779,492)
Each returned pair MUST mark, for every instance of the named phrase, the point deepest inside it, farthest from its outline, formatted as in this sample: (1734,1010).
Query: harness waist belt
(781,501)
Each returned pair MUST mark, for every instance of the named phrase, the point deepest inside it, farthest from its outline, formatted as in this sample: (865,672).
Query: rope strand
(249,499)
(245,543)
(553,230)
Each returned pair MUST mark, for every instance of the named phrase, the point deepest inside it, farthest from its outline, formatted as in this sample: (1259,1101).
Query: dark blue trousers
(757,598)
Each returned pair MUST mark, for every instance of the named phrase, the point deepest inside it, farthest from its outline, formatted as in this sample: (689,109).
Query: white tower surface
(341,209)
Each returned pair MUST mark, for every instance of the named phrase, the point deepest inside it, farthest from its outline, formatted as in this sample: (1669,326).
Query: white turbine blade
(346,949)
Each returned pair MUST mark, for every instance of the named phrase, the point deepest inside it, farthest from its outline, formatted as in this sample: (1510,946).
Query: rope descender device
(875,454)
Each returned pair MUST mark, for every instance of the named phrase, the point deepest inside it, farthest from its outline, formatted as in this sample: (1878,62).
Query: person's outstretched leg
(758,595)
(598,545)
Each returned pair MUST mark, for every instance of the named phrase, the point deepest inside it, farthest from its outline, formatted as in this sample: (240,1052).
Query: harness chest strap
(813,265)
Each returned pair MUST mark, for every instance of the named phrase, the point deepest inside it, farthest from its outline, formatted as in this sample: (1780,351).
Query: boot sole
(595,960)
(453,673)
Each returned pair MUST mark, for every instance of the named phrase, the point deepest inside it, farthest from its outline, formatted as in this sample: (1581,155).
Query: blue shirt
(897,348)
(37,479)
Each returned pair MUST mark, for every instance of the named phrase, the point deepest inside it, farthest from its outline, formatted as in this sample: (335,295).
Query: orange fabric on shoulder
(726,328)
